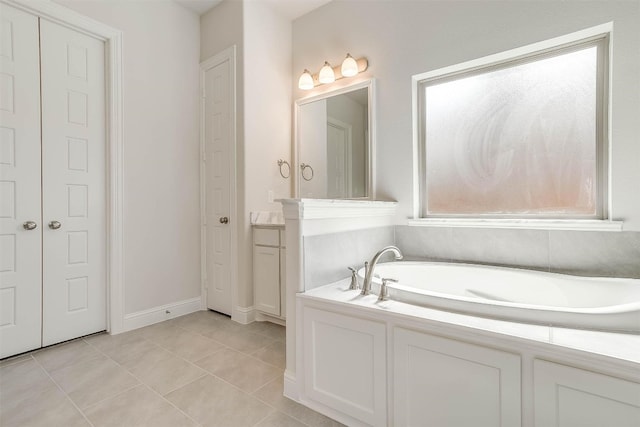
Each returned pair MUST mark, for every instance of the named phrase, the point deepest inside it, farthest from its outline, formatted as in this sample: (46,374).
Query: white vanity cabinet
(570,397)
(444,382)
(268,270)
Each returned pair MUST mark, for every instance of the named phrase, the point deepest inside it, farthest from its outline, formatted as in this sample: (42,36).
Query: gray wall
(403,38)
(161,157)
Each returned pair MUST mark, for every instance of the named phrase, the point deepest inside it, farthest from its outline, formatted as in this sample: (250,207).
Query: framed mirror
(334,144)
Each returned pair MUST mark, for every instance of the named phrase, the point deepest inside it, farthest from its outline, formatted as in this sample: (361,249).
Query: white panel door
(73,183)
(571,397)
(20,249)
(218,132)
(444,382)
(266,279)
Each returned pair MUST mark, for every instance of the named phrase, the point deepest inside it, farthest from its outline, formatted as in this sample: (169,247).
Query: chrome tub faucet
(368,277)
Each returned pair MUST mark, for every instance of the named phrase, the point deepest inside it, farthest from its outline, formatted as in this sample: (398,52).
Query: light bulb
(326,74)
(306,81)
(349,66)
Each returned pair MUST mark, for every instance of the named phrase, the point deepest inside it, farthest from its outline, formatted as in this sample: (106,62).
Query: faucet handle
(384,290)
(354,279)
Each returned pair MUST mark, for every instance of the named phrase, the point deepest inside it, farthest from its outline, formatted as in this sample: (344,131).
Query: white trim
(368,84)
(539,224)
(592,33)
(244,315)
(114,139)
(264,317)
(517,53)
(336,208)
(161,313)
(291,386)
(229,54)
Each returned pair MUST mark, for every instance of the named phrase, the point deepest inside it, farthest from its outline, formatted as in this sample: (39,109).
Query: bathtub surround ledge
(312,217)
(436,356)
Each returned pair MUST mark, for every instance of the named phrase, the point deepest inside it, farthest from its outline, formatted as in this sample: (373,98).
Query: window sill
(530,224)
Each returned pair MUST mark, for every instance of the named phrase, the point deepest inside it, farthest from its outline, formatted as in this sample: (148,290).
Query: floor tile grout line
(263,361)
(149,387)
(171,403)
(64,392)
(264,418)
(279,410)
(204,374)
(18,359)
(185,359)
(238,388)
(235,324)
(128,389)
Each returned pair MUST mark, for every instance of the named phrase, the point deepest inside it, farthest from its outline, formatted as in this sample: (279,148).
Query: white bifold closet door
(52,164)
(73,184)
(20,182)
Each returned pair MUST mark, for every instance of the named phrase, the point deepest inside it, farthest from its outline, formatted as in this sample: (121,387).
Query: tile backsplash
(327,256)
(585,253)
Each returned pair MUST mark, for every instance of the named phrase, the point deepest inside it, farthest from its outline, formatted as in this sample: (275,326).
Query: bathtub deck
(625,347)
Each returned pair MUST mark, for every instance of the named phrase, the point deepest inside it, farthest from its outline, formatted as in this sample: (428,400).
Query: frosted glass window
(516,140)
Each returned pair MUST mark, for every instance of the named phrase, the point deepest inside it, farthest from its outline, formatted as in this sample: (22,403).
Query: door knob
(29,225)
(224,220)
(54,225)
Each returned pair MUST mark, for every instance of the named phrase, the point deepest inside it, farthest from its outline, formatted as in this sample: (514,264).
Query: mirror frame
(368,84)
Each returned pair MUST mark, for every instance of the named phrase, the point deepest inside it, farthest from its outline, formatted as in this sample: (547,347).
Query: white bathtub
(608,304)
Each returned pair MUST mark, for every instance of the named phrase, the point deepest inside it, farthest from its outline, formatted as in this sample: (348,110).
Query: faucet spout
(368,277)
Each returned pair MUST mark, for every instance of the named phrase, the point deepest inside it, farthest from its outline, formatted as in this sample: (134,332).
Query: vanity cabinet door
(283,282)
(572,397)
(444,382)
(345,364)
(266,278)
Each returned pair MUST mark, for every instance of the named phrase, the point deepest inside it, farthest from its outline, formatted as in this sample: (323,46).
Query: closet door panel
(20,249)
(73,152)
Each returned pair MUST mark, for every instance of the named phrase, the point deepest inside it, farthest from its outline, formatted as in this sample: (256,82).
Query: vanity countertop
(269,219)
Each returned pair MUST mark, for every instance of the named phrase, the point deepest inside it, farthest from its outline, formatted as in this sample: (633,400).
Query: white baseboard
(262,317)
(158,314)
(290,386)
(244,315)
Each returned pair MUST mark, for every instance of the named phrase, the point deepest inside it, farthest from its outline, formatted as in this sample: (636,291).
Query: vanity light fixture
(306,80)
(349,68)
(326,74)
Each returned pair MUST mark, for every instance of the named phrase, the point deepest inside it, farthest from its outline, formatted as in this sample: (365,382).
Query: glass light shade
(326,74)
(306,81)
(349,66)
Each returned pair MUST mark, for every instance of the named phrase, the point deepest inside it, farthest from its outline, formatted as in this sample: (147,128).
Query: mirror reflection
(333,148)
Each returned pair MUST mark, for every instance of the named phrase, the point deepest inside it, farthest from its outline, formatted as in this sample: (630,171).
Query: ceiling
(290,9)
(198,6)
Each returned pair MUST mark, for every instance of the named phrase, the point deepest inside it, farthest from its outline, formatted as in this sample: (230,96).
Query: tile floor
(199,369)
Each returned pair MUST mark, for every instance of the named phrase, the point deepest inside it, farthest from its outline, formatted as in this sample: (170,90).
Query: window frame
(597,36)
